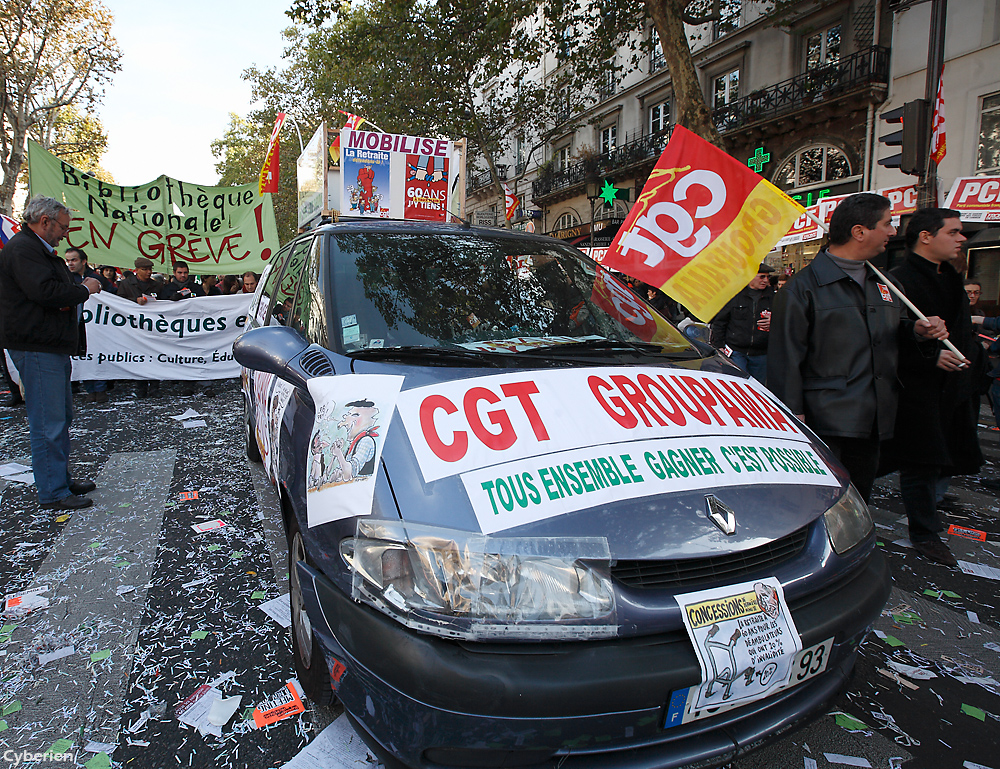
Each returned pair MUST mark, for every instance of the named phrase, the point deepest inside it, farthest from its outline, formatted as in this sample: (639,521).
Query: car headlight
(465,585)
(848,521)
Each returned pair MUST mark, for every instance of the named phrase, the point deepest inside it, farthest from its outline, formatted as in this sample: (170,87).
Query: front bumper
(435,703)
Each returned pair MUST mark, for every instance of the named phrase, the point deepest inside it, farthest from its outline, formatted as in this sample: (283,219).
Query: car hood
(682,460)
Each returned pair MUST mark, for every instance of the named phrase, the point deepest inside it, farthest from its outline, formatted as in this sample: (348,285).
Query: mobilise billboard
(394,176)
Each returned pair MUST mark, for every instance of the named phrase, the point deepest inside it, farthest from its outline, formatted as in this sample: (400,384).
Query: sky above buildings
(180,78)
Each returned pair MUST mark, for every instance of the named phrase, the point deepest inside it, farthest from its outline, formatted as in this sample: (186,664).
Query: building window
(729,18)
(988,158)
(726,89)
(813,165)
(609,139)
(608,83)
(659,116)
(656,60)
(562,110)
(562,158)
(566,221)
(823,48)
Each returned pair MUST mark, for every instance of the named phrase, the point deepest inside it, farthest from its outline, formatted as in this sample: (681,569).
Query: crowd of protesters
(835,342)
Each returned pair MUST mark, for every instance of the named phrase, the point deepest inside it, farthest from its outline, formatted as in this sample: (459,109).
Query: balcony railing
(483,178)
(865,67)
(634,151)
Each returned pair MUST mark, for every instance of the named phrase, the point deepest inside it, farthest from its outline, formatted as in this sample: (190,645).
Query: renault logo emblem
(720,515)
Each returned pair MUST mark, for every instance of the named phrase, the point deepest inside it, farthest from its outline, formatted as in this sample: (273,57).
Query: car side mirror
(271,349)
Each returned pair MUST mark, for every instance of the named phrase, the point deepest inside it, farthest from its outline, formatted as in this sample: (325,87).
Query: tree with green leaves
(452,68)
(55,53)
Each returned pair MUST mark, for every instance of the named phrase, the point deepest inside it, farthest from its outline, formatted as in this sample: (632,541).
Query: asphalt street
(152,610)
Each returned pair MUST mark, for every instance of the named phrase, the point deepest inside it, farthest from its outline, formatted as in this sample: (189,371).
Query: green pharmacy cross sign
(759,159)
(610,193)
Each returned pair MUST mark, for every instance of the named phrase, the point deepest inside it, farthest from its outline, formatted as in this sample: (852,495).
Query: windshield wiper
(426,351)
(598,345)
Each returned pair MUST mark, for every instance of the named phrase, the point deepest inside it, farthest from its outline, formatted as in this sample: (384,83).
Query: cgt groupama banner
(216,230)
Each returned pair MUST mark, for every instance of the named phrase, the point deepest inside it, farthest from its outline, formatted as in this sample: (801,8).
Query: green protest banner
(216,230)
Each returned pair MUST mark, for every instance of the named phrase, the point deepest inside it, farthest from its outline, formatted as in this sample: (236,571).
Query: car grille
(315,363)
(687,572)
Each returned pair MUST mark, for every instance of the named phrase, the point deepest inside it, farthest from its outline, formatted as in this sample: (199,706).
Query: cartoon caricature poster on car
(352,418)
(271,396)
(368,179)
(745,640)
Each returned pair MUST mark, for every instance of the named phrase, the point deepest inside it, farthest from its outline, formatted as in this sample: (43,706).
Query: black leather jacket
(834,349)
(38,299)
(736,323)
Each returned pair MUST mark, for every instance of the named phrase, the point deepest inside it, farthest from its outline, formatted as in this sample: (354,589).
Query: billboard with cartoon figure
(398,177)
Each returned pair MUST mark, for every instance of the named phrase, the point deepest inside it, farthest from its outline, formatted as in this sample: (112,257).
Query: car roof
(401,226)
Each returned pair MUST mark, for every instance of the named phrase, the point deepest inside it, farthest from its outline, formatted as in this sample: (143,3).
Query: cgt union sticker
(745,640)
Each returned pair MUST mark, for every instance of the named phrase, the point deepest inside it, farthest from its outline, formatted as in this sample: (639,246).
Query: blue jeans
(48,399)
(754,365)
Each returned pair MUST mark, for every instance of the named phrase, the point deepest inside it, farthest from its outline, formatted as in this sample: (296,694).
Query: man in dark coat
(741,328)
(40,325)
(935,433)
(182,285)
(835,335)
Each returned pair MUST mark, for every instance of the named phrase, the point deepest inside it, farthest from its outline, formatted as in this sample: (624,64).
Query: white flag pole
(892,287)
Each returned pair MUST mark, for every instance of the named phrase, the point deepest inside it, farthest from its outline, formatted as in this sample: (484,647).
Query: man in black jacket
(936,425)
(40,325)
(741,328)
(182,286)
(835,335)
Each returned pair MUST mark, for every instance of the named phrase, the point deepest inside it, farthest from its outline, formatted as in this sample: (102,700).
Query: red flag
(510,201)
(702,225)
(938,144)
(353,121)
(269,171)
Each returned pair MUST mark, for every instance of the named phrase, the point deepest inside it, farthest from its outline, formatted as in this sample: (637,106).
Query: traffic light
(911,138)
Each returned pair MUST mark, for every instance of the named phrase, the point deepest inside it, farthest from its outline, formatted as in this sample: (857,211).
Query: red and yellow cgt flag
(269,171)
(701,226)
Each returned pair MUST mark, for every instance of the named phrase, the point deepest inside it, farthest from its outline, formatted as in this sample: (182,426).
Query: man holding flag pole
(699,230)
(836,329)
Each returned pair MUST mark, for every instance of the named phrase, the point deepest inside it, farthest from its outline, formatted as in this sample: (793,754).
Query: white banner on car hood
(468,424)
(191,339)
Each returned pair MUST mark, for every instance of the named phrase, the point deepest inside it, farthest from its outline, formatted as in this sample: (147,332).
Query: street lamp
(593,186)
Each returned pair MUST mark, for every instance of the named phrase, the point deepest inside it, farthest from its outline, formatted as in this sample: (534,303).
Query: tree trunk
(692,112)
(11,170)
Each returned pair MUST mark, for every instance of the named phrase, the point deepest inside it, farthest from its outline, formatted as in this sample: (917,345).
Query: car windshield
(489,293)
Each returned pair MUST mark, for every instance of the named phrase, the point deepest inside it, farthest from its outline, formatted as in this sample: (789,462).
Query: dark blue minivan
(529,522)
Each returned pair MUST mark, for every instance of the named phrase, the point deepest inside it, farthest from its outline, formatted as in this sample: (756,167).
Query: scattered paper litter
(979,570)
(917,674)
(993,647)
(195,583)
(27,600)
(189,414)
(99,747)
(283,704)
(194,710)
(194,423)
(12,468)
(973,765)
(893,675)
(339,747)
(279,609)
(904,542)
(21,478)
(58,654)
(973,617)
(223,709)
(123,589)
(836,758)
(208,525)
(810,763)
